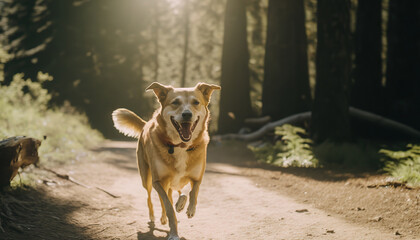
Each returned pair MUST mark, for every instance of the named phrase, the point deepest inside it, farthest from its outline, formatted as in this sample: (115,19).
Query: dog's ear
(207,89)
(160,90)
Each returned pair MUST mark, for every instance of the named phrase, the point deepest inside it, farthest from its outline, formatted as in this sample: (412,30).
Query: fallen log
(384,122)
(16,152)
(305,116)
(267,128)
(257,122)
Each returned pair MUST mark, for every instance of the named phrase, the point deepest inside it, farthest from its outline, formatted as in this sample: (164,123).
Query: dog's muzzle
(185,129)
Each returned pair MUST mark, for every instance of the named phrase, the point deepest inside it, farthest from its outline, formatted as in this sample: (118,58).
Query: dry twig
(71,179)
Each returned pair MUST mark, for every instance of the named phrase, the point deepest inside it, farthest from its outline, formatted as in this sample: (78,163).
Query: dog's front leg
(193,198)
(173,232)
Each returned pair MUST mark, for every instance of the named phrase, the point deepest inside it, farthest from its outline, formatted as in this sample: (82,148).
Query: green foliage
(3,59)
(3,55)
(294,149)
(404,165)
(25,111)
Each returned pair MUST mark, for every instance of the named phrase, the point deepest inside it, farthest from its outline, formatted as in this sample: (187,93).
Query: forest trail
(232,204)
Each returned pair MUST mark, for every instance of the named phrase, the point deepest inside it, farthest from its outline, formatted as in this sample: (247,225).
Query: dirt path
(233,204)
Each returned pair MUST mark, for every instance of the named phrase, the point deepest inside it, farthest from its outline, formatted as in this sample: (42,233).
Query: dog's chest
(180,156)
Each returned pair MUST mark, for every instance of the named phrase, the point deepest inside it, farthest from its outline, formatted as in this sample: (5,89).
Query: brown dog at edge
(172,146)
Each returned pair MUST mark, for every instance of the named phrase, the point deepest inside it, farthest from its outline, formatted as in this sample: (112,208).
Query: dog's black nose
(187,115)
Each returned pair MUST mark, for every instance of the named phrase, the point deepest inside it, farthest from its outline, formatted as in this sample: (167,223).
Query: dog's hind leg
(164,218)
(146,180)
(170,196)
(150,205)
(149,199)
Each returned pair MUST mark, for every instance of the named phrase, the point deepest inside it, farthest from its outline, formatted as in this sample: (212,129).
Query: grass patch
(26,110)
(403,165)
(295,149)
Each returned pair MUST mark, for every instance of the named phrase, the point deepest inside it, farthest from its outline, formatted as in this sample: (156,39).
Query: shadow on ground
(122,156)
(150,236)
(237,154)
(30,213)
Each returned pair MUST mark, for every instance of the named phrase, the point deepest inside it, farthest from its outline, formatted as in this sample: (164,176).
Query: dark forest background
(327,84)
(272,58)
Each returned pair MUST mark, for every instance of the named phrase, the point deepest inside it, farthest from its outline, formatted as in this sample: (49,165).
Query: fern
(294,149)
(404,166)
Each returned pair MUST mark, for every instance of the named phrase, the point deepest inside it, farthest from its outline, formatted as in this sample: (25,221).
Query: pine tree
(235,103)
(403,61)
(286,80)
(330,117)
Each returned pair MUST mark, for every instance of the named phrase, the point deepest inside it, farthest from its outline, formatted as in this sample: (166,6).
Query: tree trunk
(286,80)
(186,42)
(367,88)
(403,62)
(235,102)
(333,65)
(155,33)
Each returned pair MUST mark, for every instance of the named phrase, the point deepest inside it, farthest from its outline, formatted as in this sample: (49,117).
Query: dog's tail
(128,122)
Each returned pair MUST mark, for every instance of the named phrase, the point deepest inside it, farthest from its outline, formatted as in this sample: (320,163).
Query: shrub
(25,110)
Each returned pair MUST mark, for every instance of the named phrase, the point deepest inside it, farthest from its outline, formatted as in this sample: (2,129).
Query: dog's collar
(181,145)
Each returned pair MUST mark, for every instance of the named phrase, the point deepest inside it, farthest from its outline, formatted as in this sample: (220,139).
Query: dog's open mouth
(185,129)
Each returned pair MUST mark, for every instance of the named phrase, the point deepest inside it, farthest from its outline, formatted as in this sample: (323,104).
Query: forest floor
(239,199)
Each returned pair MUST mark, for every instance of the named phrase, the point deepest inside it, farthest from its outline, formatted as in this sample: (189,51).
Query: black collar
(172,146)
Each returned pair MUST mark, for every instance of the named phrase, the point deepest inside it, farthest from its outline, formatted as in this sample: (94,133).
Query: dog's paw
(173,237)
(164,220)
(180,204)
(191,211)
(152,218)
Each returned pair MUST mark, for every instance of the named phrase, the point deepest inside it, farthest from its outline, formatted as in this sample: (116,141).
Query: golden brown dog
(172,146)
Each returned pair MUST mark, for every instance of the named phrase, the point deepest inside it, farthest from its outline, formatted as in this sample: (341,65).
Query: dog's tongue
(186,130)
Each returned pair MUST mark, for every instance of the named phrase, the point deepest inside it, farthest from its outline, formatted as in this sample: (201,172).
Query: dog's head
(184,110)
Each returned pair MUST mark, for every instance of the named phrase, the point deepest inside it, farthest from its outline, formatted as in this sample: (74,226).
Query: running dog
(172,146)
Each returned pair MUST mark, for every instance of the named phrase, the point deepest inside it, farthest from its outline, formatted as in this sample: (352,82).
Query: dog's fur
(172,146)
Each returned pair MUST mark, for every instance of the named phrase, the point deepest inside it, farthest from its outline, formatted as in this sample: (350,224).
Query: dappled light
(209,119)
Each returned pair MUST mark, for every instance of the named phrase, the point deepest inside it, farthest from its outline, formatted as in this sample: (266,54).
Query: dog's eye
(196,102)
(176,102)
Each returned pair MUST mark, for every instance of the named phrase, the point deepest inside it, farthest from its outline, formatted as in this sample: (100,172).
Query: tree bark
(403,62)
(367,90)
(330,118)
(235,102)
(286,79)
